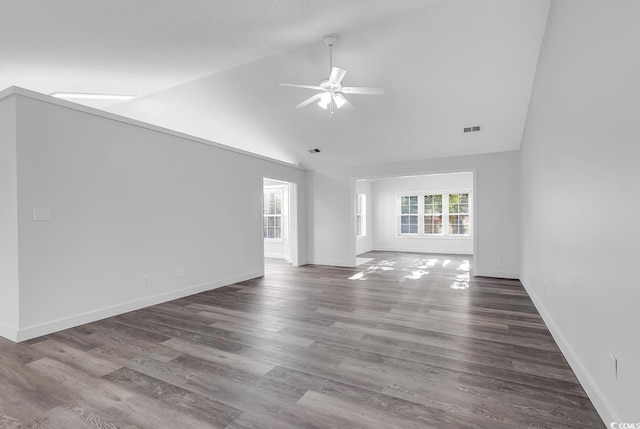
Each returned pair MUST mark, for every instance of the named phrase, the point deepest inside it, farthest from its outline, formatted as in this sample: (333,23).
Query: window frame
(409,215)
(422,214)
(361,202)
(432,215)
(278,190)
(458,214)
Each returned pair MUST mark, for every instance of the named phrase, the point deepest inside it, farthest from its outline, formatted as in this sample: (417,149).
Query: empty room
(319,214)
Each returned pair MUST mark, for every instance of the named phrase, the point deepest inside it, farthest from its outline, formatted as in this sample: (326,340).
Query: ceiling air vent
(472,129)
(316,150)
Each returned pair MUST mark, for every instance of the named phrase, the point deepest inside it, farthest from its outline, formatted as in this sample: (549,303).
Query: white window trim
(445,197)
(399,215)
(363,215)
(445,212)
(279,189)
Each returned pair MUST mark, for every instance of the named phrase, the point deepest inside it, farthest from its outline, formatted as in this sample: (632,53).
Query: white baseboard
(602,406)
(332,263)
(92,316)
(448,252)
(274,255)
(351,264)
(278,256)
(365,249)
(498,274)
(9,332)
(359,254)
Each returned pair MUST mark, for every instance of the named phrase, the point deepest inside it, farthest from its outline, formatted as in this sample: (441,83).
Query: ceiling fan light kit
(331,90)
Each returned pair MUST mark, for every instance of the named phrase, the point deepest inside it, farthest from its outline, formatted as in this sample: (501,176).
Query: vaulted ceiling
(211,69)
(143,46)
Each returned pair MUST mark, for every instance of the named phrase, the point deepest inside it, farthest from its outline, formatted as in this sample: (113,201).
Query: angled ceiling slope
(144,46)
(446,66)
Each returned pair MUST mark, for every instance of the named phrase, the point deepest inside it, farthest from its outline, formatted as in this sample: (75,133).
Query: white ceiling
(211,69)
(143,46)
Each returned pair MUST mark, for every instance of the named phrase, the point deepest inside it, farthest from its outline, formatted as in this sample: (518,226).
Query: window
(409,214)
(361,215)
(272,214)
(444,214)
(459,214)
(433,214)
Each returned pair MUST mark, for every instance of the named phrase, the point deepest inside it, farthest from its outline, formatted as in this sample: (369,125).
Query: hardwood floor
(403,341)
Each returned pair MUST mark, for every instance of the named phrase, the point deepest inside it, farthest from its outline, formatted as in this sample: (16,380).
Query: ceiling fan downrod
(330,40)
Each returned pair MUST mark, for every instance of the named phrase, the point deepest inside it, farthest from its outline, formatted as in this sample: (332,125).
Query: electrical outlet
(613,364)
(180,272)
(42,214)
(146,279)
(500,258)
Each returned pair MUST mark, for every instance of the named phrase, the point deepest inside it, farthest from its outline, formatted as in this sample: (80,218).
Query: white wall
(580,210)
(273,249)
(330,233)
(385,195)
(8,220)
(497,217)
(128,200)
(365,244)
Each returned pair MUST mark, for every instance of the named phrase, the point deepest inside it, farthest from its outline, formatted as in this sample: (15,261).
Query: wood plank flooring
(403,341)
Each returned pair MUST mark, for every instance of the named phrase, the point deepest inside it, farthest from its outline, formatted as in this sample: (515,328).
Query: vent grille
(472,129)
(316,150)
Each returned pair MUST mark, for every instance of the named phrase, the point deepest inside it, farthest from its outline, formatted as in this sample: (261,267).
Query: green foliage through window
(459,214)
(442,214)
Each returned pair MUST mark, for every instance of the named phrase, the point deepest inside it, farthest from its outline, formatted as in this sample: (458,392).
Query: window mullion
(445,214)
(420,214)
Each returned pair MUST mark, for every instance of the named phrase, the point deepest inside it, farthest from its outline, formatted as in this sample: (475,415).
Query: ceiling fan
(331,92)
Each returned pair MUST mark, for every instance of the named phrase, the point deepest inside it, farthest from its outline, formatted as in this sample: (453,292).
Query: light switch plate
(42,214)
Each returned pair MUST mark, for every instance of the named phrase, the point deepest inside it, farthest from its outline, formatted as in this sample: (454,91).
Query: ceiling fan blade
(337,74)
(361,90)
(308,101)
(296,85)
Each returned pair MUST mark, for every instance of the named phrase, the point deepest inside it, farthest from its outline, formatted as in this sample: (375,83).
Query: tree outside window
(459,214)
(433,214)
(445,214)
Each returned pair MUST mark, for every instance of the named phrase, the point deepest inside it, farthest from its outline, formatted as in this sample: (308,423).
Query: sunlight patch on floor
(417,269)
(461,281)
(357,276)
(362,274)
(464,266)
(415,275)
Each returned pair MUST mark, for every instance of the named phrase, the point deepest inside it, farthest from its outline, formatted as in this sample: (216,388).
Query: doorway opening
(279,221)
